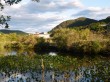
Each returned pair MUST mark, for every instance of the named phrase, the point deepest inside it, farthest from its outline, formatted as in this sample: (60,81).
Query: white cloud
(16,6)
(94,12)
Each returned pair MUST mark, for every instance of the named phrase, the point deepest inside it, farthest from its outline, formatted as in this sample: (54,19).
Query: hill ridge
(79,22)
(7,31)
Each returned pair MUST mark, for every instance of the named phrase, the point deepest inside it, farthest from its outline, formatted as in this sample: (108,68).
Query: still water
(29,66)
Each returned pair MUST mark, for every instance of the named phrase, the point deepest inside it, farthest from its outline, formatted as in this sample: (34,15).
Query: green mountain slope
(12,31)
(82,23)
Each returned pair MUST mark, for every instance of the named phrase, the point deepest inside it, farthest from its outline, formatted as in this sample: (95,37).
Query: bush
(80,41)
(41,45)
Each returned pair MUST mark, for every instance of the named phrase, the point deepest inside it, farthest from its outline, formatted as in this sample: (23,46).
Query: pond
(29,66)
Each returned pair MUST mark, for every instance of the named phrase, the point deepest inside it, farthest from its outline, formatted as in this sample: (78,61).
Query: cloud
(94,12)
(34,21)
(51,6)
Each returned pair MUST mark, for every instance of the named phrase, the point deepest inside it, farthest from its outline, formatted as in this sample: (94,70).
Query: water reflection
(7,52)
(52,53)
(31,52)
(56,68)
(45,76)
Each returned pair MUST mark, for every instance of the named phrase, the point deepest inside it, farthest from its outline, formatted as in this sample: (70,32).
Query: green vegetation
(81,41)
(17,41)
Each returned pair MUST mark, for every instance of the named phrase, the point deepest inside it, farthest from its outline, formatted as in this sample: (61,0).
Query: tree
(4,19)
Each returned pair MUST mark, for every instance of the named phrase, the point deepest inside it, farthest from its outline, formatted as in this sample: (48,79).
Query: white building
(43,35)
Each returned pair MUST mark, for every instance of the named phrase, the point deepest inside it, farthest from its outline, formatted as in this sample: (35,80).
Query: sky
(34,17)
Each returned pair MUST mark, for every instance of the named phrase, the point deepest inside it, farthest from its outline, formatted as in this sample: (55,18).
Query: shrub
(41,45)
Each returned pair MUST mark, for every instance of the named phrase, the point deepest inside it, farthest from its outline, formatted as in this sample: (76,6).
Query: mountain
(82,21)
(107,20)
(5,31)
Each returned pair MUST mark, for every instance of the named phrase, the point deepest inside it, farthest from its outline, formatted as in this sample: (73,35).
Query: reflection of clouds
(52,54)
(16,77)
(49,76)
(79,75)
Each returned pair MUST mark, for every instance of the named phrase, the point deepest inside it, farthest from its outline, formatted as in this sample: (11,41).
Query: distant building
(42,34)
